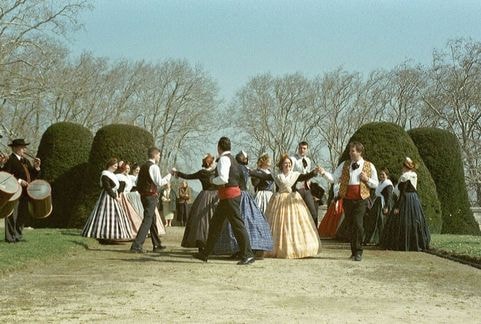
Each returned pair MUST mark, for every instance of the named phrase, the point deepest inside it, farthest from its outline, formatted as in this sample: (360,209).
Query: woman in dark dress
(202,209)
(406,228)
(263,188)
(382,205)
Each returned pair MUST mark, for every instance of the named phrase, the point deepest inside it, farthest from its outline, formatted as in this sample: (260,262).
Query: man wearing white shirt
(148,183)
(228,179)
(356,177)
(302,163)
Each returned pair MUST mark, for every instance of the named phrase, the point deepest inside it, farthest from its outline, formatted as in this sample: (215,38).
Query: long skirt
(293,229)
(108,220)
(201,211)
(134,199)
(182,213)
(374,223)
(262,199)
(407,231)
(133,217)
(331,220)
(256,225)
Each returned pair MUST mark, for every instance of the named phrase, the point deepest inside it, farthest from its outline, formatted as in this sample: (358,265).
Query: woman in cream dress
(293,230)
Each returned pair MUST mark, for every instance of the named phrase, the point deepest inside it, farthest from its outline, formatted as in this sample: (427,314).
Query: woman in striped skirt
(108,220)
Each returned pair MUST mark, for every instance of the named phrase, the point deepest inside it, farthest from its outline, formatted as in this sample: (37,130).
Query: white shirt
(154,172)
(223,168)
(298,165)
(354,175)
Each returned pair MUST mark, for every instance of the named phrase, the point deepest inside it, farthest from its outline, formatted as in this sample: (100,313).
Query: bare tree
(454,98)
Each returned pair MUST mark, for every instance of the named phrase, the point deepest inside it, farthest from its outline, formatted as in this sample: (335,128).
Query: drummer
(25,172)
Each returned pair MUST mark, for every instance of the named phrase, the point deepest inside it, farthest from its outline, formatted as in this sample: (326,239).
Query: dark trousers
(230,209)
(14,223)
(309,200)
(354,211)
(149,203)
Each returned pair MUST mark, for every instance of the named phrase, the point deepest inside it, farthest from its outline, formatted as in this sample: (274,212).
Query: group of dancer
(280,221)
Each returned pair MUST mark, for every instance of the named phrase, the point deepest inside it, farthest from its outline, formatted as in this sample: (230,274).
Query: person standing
(406,227)
(228,178)
(185,194)
(148,183)
(168,204)
(356,178)
(25,172)
(302,164)
(108,221)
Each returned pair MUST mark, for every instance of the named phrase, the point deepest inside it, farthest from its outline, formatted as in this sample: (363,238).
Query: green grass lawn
(465,246)
(41,245)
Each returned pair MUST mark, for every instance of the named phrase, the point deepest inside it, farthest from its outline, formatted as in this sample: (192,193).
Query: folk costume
(303,165)
(202,210)
(263,189)
(375,218)
(355,194)
(408,230)
(293,230)
(108,220)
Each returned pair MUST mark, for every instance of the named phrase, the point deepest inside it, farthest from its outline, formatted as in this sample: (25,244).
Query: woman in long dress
(168,204)
(124,189)
(406,228)
(382,205)
(108,221)
(254,220)
(263,188)
(202,209)
(293,230)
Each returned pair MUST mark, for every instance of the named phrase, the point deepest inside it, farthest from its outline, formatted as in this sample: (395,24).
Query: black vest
(145,184)
(235,173)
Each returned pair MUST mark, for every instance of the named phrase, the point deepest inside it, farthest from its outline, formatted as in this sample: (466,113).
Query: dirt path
(109,284)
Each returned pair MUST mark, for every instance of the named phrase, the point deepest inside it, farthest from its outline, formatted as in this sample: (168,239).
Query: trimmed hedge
(387,145)
(63,149)
(442,155)
(125,142)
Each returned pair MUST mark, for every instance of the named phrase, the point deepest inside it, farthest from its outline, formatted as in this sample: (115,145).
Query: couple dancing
(293,230)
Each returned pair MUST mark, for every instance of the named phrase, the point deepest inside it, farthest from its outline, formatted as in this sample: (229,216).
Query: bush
(125,142)
(63,149)
(387,145)
(442,155)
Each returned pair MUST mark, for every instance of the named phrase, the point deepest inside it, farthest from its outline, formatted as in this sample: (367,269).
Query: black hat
(18,142)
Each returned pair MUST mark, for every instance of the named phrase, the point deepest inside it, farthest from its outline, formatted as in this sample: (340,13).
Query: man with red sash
(356,178)
(228,179)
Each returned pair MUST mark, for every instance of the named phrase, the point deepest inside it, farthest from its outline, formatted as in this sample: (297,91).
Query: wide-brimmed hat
(18,142)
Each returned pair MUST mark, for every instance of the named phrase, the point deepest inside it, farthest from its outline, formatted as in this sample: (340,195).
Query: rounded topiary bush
(387,145)
(442,155)
(63,147)
(124,142)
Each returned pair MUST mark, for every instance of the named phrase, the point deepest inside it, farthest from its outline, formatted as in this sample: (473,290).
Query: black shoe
(247,260)
(200,256)
(358,257)
(136,250)
(158,248)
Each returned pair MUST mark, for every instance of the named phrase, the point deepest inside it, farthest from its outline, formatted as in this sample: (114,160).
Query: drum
(40,198)
(7,209)
(8,187)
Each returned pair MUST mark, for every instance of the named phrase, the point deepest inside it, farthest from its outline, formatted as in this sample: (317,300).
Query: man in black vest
(148,183)
(22,169)
(228,179)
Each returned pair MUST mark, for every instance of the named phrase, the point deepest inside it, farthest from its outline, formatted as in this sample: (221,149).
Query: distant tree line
(41,84)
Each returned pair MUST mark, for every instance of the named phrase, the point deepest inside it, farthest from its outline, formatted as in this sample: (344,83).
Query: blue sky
(235,40)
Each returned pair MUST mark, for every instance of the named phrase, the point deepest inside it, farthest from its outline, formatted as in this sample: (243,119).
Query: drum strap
(27,173)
